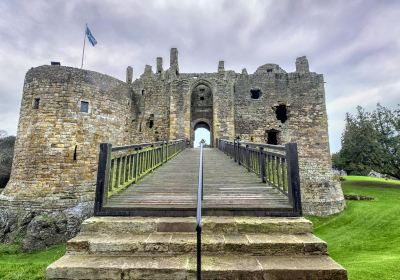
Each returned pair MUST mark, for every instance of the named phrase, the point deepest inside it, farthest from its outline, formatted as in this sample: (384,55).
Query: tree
(387,126)
(371,141)
(6,157)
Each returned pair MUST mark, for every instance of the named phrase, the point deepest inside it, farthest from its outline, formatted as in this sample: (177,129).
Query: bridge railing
(276,165)
(122,166)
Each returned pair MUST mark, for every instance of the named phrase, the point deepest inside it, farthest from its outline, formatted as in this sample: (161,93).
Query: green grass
(16,265)
(359,179)
(365,238)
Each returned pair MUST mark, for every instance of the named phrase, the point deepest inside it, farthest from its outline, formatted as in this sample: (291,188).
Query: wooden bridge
(239,179)
(164,188)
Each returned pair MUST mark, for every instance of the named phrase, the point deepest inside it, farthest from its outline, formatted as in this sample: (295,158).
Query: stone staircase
(165,248)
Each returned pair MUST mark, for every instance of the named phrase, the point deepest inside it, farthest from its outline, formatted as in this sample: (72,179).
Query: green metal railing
(120,167)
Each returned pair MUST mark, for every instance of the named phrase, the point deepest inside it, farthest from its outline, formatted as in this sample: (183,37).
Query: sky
(355,44)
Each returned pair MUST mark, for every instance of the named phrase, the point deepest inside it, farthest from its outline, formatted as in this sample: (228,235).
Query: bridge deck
(226,186)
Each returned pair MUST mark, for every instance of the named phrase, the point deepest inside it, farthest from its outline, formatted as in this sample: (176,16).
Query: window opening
(36,103)
(150,122)
(281,113)
(84,106)
(272,137)
(255,93)
(75,156)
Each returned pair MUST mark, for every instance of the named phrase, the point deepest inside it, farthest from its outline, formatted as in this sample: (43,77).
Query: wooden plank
(227,185)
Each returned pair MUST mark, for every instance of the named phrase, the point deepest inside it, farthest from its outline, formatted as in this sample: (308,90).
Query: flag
(90,37)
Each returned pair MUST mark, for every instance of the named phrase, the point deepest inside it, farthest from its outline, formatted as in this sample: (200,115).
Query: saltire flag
(90,36)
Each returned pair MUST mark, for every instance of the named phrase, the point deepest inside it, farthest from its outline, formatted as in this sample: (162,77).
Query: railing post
(238,153)
(234,151)
(103,173)
(247,159)
(167,153)
(293,177)
(152,156)
(162,153)
(261,164)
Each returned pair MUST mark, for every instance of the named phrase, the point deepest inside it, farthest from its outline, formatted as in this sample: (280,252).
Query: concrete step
(220,267)
(215,225)
(173,244)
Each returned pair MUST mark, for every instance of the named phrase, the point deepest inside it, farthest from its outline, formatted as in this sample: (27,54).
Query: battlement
(65,74)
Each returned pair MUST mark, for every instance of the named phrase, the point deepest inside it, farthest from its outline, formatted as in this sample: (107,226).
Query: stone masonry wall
(302,93)
(56,151)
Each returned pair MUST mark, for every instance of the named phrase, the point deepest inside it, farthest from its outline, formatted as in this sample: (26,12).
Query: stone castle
(67,112)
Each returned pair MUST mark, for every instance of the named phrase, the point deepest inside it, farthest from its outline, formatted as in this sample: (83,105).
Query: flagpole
(84,43)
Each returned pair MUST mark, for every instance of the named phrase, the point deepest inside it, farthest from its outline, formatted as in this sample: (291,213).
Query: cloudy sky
(355,44)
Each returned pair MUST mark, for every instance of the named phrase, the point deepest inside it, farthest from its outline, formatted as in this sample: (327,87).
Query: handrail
(198,213)
(276,165)
(122,166)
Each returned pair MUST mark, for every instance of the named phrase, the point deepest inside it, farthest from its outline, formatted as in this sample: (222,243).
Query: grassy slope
(23,266)
(365,238)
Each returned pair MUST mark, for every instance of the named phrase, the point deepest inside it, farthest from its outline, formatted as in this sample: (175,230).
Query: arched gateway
(201,110)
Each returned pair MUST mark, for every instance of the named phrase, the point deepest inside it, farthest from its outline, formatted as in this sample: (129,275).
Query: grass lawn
(365,238)
(26,266)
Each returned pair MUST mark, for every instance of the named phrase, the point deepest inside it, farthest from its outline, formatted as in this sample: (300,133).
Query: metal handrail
(198,213)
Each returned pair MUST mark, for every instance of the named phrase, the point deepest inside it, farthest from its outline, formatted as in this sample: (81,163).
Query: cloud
(356,44)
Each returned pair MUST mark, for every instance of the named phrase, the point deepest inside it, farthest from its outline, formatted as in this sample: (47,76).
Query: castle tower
(65,114)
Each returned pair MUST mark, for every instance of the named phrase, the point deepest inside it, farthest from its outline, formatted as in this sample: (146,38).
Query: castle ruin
(67,112)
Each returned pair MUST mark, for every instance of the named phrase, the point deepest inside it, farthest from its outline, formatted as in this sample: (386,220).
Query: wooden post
(261,164)
(247,159)
(102,177)
(235,150)
(293,177)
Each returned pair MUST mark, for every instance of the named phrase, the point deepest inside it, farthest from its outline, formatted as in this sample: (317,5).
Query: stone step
(230,225)
(174,244)
(182,267)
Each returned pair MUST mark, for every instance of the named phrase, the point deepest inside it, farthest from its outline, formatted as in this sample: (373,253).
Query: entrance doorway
(201,132)
(201,114)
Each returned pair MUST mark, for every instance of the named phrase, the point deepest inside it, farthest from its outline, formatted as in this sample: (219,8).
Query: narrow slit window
(84,107)
(150,122)
(75,156)
(36,103)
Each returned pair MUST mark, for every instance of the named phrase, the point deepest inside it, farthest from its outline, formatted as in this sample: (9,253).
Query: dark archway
(201,110)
